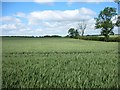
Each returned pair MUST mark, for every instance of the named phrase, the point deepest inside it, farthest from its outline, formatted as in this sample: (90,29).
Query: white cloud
(114,19)
(15,26)
(48,22)
(55,15)
(58,22)
(10,19)
(38,30)
(43,1)
(20,28)
(20,14)
(48,2)
(70,2)
(8,27)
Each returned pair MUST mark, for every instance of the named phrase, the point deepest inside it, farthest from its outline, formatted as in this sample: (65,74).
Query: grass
(59,63)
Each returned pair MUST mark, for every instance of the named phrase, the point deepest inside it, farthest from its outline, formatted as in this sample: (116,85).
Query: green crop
(59,63)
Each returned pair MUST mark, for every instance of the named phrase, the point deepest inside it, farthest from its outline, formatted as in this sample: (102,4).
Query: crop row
(60,70)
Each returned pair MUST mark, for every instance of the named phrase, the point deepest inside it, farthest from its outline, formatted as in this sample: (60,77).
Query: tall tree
(82,27)
(104,22)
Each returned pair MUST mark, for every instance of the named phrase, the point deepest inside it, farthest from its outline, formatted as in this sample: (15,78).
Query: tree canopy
(104,22)
(73,33)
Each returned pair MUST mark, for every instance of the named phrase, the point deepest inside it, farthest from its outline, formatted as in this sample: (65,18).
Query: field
(59,63)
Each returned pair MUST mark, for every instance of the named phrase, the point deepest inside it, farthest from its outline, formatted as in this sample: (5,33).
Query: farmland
(59,63)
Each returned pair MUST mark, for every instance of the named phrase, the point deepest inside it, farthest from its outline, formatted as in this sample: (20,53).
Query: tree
(104,22)
(76,33)
(82,27)
(73,33)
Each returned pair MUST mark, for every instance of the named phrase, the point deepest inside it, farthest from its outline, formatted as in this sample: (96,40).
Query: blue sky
(10,8)
(55,18)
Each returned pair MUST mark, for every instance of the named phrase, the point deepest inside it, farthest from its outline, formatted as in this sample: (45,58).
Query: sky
(50,18)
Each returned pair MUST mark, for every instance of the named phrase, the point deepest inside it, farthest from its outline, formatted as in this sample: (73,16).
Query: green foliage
(118,22)
(73,33)
(53,36)
(103,21)
(59,63)
(76,34)
(97,38)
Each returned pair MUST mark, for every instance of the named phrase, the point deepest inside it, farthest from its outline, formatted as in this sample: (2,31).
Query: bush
(96,38)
